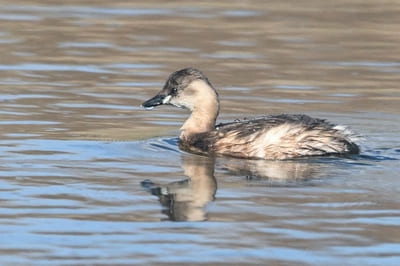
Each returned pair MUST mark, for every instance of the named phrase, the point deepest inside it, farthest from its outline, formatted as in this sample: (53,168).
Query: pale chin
(167,99)
(177,105)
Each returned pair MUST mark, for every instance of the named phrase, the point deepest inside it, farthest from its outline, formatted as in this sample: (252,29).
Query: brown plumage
(271,137)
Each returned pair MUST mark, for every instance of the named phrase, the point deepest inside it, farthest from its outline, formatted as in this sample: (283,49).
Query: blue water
(82,202)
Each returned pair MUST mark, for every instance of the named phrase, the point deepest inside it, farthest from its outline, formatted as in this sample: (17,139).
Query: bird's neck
(203,116)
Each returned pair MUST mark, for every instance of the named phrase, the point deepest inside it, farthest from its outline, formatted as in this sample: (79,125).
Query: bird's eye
(174,90)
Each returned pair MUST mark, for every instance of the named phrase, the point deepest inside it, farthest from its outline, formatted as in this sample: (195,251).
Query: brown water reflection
(186,199)
(75,145)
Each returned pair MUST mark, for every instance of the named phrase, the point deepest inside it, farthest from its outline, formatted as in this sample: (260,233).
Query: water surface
(89,177)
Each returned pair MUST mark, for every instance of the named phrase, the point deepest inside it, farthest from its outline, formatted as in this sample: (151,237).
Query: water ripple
(53,67)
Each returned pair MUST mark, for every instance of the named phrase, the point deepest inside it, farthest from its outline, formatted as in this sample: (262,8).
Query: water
(87,176)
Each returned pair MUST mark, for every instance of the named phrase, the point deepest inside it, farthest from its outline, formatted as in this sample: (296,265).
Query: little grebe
(280,137)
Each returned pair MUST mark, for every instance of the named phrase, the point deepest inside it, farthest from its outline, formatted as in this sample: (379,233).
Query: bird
(270,137)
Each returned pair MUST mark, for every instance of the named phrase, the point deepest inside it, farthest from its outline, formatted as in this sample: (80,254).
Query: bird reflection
(186,200)
(273,172)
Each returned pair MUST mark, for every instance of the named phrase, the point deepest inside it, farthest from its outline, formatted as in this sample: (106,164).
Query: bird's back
(276,137)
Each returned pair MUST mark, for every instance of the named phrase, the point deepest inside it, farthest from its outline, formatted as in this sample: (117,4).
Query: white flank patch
(272,137)
(347,133)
